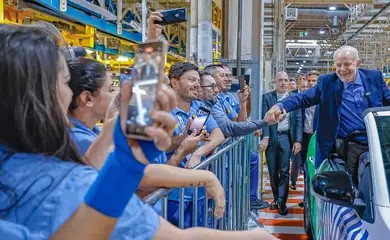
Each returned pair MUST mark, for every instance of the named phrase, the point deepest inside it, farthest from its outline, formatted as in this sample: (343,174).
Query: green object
(303,34)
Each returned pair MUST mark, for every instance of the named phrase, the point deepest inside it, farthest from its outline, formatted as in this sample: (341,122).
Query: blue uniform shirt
(182,118)
(353,104)
(52,190)
(82,136)
(232,100)
(224,104)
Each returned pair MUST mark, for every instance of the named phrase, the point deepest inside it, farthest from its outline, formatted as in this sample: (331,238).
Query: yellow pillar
(91,31)
(1,11)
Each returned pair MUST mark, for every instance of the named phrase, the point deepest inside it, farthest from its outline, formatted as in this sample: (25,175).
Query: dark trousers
(305,147)
(295,167)
(352,161)
(278,162)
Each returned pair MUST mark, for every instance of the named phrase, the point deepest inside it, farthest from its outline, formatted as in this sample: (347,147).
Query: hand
(243,96)
(215,190)
(191,143)
(274,115)
(163,122)
(193,161)
(263,145)
(112,111)
(154,30)
(296,148)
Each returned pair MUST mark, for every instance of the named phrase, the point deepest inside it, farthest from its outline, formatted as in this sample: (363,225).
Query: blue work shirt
(232,100)
(353,104)
(49,190)
(182,118)
(82,136)
(224,104)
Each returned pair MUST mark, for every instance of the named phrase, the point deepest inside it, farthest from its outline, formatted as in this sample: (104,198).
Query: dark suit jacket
(270,99)
(328,94)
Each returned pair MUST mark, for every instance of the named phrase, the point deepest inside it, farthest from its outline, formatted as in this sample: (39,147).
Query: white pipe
(144,19)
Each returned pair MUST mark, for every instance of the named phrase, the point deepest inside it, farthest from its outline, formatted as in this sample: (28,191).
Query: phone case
(173,16)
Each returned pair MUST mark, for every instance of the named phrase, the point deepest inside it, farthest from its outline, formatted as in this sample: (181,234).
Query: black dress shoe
(258,204)
(283,209)
(293,186)
(301,204)
(274,205)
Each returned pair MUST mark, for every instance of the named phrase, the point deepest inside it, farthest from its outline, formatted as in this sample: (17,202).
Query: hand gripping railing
(231,164)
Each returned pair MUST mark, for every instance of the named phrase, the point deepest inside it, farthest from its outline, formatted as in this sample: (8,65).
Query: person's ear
(174,83)
(86,99)
(358,64)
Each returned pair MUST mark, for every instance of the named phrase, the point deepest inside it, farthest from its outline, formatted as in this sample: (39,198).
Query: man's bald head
(281,82)
(280,74)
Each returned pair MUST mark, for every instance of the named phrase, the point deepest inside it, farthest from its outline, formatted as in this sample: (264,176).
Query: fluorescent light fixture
(122,59)
(297,63)
(304,61)
(332,8)
(302,65)
(307,55)
(322,32)
(310,51)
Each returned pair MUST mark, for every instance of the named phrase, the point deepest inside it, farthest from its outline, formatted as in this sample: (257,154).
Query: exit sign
(303,34)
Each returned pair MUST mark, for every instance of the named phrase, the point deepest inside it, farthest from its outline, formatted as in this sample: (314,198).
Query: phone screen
(149,62)
(199,121)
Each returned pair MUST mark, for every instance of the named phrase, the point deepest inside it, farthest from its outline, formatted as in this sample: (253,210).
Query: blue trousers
(254,180)
(174,214)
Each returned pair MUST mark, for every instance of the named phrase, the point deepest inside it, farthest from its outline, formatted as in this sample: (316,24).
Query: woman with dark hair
(92,93)
(45,185)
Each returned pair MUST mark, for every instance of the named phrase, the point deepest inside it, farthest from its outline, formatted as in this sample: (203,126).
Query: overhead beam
(326,2)
(383,9)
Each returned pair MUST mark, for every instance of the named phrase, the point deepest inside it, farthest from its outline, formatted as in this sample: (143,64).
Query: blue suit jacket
(270,99)
(327,94)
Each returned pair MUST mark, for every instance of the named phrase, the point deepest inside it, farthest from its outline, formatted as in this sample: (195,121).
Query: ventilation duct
(338,13)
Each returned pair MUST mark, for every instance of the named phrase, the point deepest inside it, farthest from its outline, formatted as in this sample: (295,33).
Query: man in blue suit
(279,141)
(342,97)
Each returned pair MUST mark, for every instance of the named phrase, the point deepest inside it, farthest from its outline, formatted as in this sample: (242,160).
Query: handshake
(274,115)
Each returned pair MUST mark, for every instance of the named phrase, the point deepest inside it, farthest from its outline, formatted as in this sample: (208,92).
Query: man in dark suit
(278,140)
(342,97)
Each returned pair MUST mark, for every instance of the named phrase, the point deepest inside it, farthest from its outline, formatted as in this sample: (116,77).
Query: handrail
(152,198)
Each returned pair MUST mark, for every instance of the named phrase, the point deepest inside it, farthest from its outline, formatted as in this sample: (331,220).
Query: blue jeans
(174,214)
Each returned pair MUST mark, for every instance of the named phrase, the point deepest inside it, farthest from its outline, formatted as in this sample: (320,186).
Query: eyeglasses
(213,86)
(345,65)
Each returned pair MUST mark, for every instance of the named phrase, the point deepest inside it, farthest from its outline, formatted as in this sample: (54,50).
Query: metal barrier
(231,164)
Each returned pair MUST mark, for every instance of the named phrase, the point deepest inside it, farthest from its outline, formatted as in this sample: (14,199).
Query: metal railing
(231,164)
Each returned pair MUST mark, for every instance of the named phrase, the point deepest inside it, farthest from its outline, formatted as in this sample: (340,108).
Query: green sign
(303,34)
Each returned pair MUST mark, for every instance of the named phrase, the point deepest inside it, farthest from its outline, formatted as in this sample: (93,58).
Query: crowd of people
(62,177)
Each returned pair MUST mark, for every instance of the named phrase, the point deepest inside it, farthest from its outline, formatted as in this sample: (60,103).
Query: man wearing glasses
(342,98)
(224,113)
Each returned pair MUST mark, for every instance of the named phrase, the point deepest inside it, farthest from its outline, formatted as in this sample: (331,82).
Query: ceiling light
(332,8)
(322,32)
(304,61)
(297,63)
(310,51)
(302,65)
(307,55)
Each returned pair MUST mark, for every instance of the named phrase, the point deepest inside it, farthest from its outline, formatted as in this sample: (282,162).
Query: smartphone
(242,83)
(247,78)
(144,78)
(199,121)
(171,16)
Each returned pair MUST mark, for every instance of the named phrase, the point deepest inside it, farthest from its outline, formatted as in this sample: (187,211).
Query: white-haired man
(342,98)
